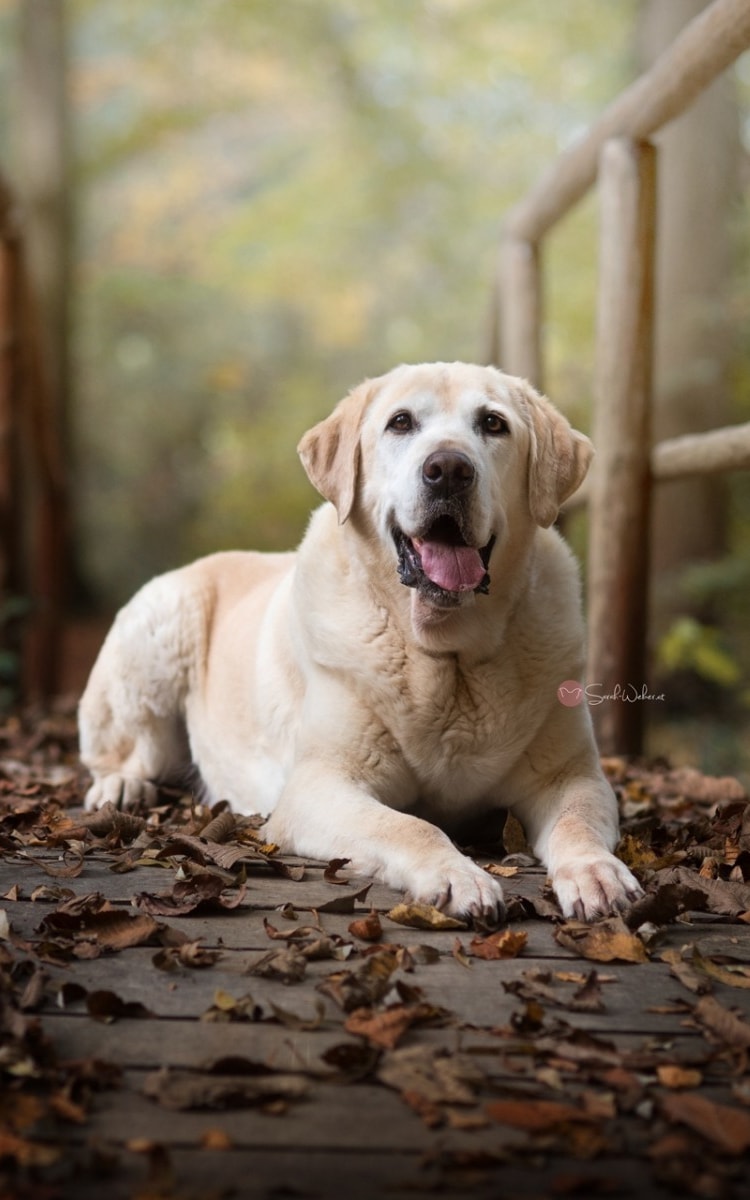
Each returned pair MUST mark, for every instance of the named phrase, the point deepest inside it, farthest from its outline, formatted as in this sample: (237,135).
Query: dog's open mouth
(442,565)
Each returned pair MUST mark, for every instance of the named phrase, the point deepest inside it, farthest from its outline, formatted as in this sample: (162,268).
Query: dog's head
(443,458)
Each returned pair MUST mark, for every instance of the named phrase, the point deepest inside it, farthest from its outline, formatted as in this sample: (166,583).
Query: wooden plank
(397,1175)
(474,995)
(178,1043)
(620,478)
(702,51)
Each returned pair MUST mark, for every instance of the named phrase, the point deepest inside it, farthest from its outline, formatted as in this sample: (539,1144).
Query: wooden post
(621,482)
(12,573)
(520,310)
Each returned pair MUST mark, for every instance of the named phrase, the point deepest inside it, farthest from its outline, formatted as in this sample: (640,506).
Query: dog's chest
(461,730)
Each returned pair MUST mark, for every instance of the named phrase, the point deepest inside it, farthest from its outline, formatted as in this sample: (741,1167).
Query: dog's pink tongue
(453,568)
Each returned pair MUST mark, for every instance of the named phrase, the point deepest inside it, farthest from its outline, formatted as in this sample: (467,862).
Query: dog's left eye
(401,422)
(494,424)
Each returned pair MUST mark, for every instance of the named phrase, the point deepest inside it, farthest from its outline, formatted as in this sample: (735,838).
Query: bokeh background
(268,200)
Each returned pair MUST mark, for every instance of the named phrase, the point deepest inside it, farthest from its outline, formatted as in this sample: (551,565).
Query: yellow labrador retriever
(397,676)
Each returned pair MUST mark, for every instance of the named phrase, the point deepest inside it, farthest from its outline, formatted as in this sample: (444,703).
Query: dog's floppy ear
(558,461)
(330,451)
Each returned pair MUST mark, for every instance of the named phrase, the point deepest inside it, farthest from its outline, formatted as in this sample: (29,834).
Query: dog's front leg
(324,814)
(575,838)
(569,814)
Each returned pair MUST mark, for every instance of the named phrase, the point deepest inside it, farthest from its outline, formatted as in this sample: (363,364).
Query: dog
(398,676)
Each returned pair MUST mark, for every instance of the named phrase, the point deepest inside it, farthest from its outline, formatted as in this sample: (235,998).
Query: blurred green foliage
(278,199)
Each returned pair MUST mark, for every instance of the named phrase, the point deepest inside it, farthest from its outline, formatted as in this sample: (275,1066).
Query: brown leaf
(221,827)
(384,1028)
(424,916)
(295,1021)
(367,929)
(182,1090)
(707,789)
(683,971)
(722,896)
(606,941)
(676,1077)
(187,954)
(106,1006)
(216,1139)
(728,1027)
(364,986)
(343,904)
(534,1116)
(728,1128)
(503,944)
(198,894)
(227,1007)
(72,869)
(501,870)
(663,905)
(288,965)
(298,934)
(433,1073)
(736,975)
(331,872)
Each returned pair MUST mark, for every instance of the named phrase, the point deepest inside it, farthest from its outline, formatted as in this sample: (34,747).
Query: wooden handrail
(710,453)
(700,53)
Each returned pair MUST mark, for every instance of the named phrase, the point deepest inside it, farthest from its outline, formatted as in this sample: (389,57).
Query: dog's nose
(447,472)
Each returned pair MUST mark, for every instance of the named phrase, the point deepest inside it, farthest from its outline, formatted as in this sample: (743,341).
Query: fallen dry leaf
(534,1116)
(367,929)
(216,1139)
(683,971)
(736,975)
(331,873)
(182,1090)
(606,941)
(433,1073)
(506,943)
(343,904)
(227,1007)
(723,1023)
(728,1128)
(501,870)
(363,987)
(385,1028)
(423,916)
(722,896)
(288,965)
(675,1077)
(197,894)
(106,1006)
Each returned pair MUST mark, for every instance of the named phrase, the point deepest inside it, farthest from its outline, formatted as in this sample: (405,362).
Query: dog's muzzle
(441,564)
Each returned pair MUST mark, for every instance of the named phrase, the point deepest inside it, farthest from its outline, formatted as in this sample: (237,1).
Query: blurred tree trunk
(44,169)
(698,173)
(44,154)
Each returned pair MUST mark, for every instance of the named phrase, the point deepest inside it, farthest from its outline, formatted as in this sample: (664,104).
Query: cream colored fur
(316,688)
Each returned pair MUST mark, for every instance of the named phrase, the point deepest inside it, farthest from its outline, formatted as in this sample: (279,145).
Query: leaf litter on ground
(687,836)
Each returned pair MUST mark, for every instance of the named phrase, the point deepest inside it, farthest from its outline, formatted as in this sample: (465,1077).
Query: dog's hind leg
(132,731)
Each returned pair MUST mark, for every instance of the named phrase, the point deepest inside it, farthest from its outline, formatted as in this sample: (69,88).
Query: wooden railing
(616,150)
(33,494)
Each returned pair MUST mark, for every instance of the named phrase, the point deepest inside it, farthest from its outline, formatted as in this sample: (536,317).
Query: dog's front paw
(124,791)
(460,888)
(592,886)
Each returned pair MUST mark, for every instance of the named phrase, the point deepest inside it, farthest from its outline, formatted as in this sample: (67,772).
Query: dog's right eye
(401,422)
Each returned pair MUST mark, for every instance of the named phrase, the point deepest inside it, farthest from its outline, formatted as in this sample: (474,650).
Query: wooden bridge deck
(395,1068)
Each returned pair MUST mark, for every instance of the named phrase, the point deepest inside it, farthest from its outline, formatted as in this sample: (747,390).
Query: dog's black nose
(447,472)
